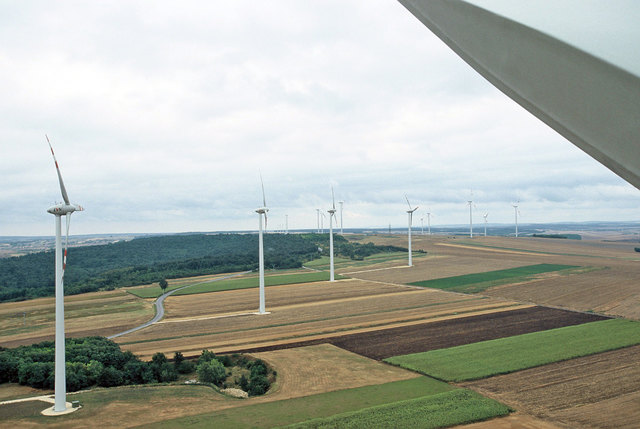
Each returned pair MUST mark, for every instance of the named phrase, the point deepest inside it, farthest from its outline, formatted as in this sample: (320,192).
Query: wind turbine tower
(422,225)
(429,223)
(65,208)
(318,213)
(341,226)
(515,208)
(470,202)
(410,213)
(262,211)
(485,223)
(332,213)
(286,224)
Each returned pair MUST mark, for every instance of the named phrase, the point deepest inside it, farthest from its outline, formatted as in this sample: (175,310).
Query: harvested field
(97,313)
(598,391)
(384,343)
(607,286)
(320,310)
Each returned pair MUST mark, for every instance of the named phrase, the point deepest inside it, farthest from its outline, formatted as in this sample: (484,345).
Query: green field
(252,282)
(441,410)
(378,258)
(505,355)
(478,282)
(408,394)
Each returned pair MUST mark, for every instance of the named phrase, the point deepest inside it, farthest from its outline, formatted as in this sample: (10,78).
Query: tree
(211,372)
(163,285)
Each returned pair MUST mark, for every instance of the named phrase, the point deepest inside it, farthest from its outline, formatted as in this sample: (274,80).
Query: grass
(478,282)
(389,397)
(505,355)
(242,283)
(444,409)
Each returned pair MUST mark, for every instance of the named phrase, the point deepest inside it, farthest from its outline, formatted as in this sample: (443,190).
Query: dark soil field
(385,343)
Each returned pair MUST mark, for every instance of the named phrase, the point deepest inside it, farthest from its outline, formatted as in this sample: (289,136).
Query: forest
(150,259)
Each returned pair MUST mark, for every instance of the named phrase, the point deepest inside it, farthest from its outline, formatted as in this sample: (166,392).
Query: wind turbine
(410,212)
(429,222)
(318,213)
(341,226)
(65,208)
(322,216)
(286,224)
(422,225)
(470,202)
(261,211)
(331,212)
(485,223)
(515,208)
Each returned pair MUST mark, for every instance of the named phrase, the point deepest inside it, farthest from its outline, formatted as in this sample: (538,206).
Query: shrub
(110,377)
(258,385)
(211,372)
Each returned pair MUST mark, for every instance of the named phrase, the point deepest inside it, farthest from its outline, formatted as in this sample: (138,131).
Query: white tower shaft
(410,259)
(261,267)
(470,219)
(60,375)
(331,270)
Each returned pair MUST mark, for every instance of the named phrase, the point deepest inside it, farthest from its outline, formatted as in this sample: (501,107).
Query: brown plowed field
(599,391)
(305,312)
(384,343)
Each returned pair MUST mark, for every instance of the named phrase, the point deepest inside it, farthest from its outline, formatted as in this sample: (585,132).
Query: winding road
(160,307)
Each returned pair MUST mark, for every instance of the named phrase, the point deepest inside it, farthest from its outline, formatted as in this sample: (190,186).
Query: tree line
(150,259)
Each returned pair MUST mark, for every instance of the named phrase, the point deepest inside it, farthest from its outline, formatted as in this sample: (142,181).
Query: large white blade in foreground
(575,64)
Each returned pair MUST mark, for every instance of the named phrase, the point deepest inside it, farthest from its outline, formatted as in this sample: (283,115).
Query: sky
(163,115)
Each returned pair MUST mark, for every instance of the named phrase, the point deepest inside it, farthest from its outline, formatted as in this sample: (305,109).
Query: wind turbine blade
(264,199)
(333,199)
(265,221)
(407,198)
(63,190)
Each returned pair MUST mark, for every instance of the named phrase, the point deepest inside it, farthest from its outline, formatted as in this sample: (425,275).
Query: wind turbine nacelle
(262,210)
(63,209)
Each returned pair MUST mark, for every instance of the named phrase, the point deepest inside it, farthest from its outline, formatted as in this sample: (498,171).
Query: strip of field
(385,343)
(505,355)
(96,313)
(404,397)
(478,282)
(436,411)
(601,390)
(253,282)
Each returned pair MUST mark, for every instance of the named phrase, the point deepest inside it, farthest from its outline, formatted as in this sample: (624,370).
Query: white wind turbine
(422,225)
(429,222)
(322,216)
(332,213)
(65,208)
(410,212)
(341,226)
(517,212)
(485,223)
(318,213)
(470,202)
(261,211)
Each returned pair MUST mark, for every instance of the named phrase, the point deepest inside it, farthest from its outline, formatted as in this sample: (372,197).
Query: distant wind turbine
(410,212)
(485,223)
(331,212)
(341,225)
(429,223)
(261,211)
(422,225)
(286,224)
(515,208)
(65,208)
(318,214)
(470,202)
(322,216)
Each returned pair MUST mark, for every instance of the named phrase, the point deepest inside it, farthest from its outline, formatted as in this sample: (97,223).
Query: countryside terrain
(340,349)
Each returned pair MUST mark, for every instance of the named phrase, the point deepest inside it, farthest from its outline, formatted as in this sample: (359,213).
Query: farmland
(328,337)
(487,358)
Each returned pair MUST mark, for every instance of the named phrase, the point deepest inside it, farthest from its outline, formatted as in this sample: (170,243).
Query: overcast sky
(162,114)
